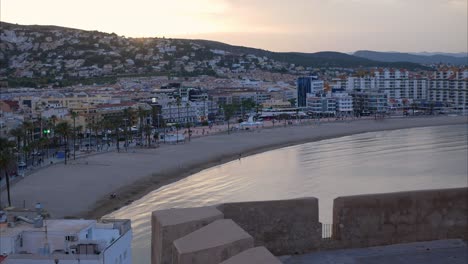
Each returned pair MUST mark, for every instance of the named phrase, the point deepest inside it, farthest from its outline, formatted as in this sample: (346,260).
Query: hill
(420,59)
(41,55)
(319,59)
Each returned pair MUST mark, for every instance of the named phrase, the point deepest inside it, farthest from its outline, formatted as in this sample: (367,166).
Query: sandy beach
(82,188)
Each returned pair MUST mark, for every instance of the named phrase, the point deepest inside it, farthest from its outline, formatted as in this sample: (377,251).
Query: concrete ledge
(171,224)
(258,255)
(401,217)
(211,244)
(284,227)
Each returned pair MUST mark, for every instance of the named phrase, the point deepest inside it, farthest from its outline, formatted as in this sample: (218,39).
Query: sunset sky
(278,25)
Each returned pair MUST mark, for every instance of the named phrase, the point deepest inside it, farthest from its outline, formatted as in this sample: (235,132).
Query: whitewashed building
(344,103)
(27,240)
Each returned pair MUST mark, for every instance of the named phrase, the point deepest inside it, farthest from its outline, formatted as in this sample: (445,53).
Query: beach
(83,187)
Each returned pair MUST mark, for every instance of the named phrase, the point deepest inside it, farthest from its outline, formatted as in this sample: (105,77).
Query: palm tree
(28,138)
(6,159)
(74,115)
(187,120)
(64,129)
(170,119)
(53,120)
(147,129)
(18,133)
(79,132)
(142,116)
(413,107)
(229,111)
(285,118)
(113,123)
(128,118)
(178,102)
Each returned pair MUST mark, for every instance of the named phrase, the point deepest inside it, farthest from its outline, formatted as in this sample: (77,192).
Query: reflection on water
(419,158)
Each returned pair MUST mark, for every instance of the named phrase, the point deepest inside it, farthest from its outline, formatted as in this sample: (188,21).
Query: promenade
(83,187)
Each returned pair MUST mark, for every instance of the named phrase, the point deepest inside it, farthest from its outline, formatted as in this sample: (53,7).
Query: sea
(377,162)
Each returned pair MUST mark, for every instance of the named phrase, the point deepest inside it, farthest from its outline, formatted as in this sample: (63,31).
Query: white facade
(59,112)
(321,105)
(68,241)
(448,86)
(316,86)
(344,103)
(186,112)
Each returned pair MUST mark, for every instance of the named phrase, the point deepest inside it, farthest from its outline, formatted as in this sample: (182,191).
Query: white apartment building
(344,103)
(27,240)
(447,86)
(321,104)
(187,111)
(450,86)
(59,112)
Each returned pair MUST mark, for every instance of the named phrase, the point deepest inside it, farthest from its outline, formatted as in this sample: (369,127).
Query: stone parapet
(284,227)
(401,217)
(211,244)
(171,224)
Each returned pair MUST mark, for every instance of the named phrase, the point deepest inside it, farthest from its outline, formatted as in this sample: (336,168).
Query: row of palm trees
(7,161)
(58,134)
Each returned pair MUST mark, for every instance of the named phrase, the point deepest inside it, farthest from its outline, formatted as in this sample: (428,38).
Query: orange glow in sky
(279,25)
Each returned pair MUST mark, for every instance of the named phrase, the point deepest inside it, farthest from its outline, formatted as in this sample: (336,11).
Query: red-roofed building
(9,106)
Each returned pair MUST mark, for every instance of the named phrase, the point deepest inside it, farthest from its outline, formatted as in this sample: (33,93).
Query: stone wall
(171,224)
(283,227)
(390,218)
(288,227)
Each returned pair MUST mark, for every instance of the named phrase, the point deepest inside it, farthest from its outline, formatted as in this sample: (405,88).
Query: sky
(277,25)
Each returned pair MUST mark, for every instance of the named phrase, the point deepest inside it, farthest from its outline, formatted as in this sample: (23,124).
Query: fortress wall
(391,218)
(283,227)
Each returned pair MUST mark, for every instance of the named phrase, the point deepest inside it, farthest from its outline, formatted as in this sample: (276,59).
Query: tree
(248,104)
(142,117)
(94,127)
(128,118)
(74,115)
(64,130)
(292,101)
(178,102)
(113,123)
(229,111)
(284,117)
(187,105)
(19,134)
(413,107)
(6,159)
(147,130)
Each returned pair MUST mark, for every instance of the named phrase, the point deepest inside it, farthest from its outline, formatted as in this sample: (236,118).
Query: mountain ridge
(411,57)
(54,54)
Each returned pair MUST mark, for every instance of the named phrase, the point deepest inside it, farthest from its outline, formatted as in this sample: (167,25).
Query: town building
(450,87)
(369,102)
(27,238)
(307,85)
(323,104)
(344,104)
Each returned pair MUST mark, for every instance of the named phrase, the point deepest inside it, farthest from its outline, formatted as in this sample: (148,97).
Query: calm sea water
(387,161)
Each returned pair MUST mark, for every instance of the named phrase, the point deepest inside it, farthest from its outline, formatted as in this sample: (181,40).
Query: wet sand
(83,188)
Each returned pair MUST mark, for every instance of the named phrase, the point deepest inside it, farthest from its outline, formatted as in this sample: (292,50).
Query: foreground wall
(380,219)
(284,227)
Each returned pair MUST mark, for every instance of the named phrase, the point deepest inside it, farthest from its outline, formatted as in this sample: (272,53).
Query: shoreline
(82,189)
(103,208)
